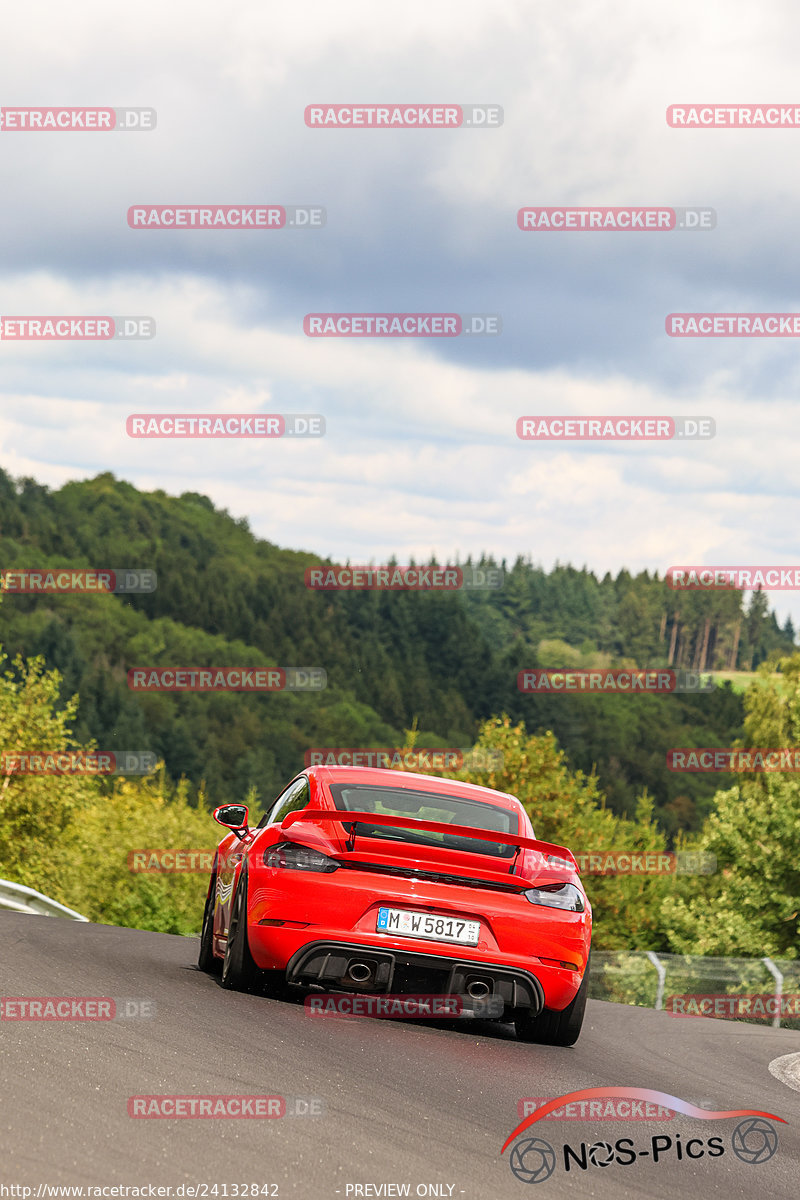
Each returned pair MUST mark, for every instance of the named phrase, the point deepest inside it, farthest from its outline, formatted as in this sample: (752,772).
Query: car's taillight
(557,895)
(290,856)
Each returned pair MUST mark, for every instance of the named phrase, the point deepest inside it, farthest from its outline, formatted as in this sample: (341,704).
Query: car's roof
(385,777)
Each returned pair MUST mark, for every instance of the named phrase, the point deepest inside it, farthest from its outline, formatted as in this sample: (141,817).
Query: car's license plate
(428,925)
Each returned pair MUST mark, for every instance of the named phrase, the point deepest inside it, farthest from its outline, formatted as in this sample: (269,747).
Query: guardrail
(18,898)
(660,981)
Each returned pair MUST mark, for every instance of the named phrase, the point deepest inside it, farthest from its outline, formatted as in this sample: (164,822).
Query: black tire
(239,970)
(552,1028)
(206,959)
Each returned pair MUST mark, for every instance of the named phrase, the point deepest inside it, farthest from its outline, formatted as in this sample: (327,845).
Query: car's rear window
(427,806)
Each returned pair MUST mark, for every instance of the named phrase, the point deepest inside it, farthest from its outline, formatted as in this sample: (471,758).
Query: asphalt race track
(417,1104)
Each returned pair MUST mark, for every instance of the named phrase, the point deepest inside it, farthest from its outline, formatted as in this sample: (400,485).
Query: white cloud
(421,453)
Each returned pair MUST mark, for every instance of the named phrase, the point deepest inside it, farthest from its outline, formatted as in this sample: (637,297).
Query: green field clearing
(741,680)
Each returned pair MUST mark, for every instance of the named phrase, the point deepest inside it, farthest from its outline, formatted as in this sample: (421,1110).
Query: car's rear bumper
(328,964)
(291,950)
(289,911)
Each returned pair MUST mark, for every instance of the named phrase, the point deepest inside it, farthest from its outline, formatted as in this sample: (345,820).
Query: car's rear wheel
(239,970)
(206,959)
(552,1028)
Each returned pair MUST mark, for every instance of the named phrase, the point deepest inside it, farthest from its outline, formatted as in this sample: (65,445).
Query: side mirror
(232,816)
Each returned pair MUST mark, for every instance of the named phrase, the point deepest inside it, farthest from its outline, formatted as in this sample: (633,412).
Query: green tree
(70,836)
(35,810)
(752,905)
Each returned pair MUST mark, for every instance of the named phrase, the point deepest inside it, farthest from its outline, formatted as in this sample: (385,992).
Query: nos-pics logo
(753,1140)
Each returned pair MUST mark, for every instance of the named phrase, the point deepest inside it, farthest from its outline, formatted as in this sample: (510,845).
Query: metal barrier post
(662,975)
(776,975)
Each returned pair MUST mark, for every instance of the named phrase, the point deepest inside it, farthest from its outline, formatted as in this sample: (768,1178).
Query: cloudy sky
(421,453)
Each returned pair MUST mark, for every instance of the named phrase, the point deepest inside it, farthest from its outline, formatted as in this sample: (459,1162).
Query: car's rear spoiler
(548,849)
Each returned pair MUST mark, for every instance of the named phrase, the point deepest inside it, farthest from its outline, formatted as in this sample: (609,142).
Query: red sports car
(385,882)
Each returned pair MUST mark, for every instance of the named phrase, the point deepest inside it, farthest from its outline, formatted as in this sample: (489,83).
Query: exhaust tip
(477,989)
(359,972)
